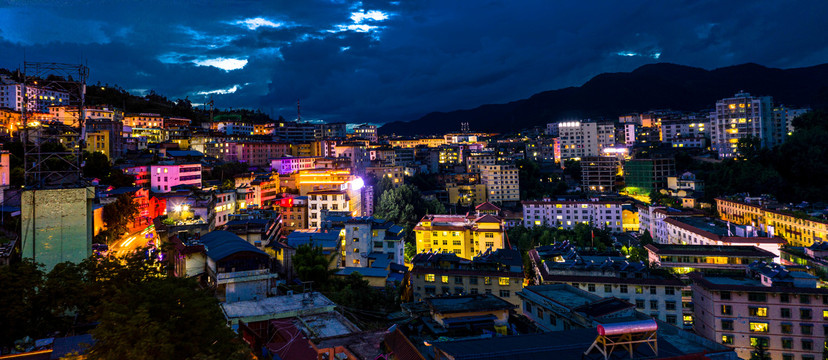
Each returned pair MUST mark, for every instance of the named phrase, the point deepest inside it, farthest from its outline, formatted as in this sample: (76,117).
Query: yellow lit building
(466,194)
(463,235)
(795,230)
(98,141)
(430,142)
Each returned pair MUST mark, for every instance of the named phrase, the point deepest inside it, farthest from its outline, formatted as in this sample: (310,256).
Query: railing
(239,274)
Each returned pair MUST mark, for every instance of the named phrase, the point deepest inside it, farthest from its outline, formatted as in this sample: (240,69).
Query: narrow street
(133,241)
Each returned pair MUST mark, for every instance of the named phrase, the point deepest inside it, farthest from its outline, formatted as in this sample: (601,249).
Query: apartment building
(780,309)
(98,141)
(499,273)
(466,194)
(226,205)
(38,98)
(685,127)
(289,165)
(683,259)
(706,231)
(741,116)
(330,130)
(579,139)
(294,211)
(334,200)
(164,177)
(367,132)
(253,153)
(566,214)
(463,235)
(144,120)
(476,160)
(658,296)
(502,182)
(643,176)
(797,231)
(599,173)
(368,237)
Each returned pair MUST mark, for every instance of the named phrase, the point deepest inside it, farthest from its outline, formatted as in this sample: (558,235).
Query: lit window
(503,281)
(758,327)
(429,278)
(444,279)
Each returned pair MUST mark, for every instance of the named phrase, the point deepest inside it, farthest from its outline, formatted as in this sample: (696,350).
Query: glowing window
(758,327)
(429,278)
(444,279)
(503,281)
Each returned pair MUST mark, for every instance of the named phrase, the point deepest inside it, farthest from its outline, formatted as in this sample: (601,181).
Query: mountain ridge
(648,87)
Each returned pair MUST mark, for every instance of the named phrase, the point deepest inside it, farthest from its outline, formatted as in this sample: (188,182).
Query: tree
(96,165)
(164,318)
(382,185)
(311,265)
(118,214)
(19,301)
(572,168)
(404,206)
(645,238)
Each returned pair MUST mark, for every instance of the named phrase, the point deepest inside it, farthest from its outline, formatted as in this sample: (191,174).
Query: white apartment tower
(579,139)
(741,116)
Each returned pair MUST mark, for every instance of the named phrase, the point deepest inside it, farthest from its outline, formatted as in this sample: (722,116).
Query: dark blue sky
(380,61)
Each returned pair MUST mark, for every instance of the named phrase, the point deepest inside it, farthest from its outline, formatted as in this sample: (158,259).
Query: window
(727,339)
(488,235)
(356,239)
(504,281)
(785,298)
(591,287)
(787,343)
(652,290)
(429,278)
(724,295)
(825,316)
(727,310)
(444,279)
(623,289)
(671,319)
(804,299)
(504,293)
(487,280)
(457,251)
(473,291)
(758,327)
(436,242)
(760,297)
(540,313)
(785,312)
(356,261)
(807,344)
(639,290)
(805,314)
(758,311)
(457,242)
(727,324)
(807,329)
(473,280)
(787,328)
(654,304)
(458,280)
(670,305)
(756,340)
(527,307)
(488,291)
(639,304)
(669,290)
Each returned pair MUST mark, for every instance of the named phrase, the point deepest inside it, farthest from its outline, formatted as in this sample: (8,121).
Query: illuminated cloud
(226,64)
(627,53)
(220,91)
(255,23)
(374,15)
(363,28)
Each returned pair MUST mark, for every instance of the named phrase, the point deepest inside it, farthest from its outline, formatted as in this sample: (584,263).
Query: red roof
(487,206)
(401,347)
(487,219)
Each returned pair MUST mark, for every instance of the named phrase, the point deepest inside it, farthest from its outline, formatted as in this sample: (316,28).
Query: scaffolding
(53,151)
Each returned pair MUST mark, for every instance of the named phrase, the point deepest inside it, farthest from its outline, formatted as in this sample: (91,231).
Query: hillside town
(582,239)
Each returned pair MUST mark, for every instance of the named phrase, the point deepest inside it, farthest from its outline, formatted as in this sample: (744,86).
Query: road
(133,241)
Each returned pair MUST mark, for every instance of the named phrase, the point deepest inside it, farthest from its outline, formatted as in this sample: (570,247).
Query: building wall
(465,242)
(796,231)
(566,215)
(663,302)
(57,225)
(164,177)
(738,117)
(709,318)
(502,183)
(430,282)
(319,201)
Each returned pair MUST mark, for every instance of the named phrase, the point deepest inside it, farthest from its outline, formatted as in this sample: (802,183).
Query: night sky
(380,61)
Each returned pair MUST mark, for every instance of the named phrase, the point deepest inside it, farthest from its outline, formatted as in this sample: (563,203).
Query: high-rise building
(567,214)
(367,132)
(598,173)
(643,176)
(579,139)
(740,117)
(39,98)
(502,183)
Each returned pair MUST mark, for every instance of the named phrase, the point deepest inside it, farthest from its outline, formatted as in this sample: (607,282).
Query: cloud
(378,60)
(222,63)
(255,23)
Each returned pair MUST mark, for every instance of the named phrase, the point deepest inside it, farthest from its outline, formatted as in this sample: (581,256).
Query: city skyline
(378,62)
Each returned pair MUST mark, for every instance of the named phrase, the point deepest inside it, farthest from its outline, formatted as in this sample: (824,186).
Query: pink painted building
(785,312)
(164,177)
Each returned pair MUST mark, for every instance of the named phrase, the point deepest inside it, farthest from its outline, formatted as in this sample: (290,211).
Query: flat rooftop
(467,303)
(563,294)
(325,325)
(706,224)
(709,250)
(274,306)
(732,281)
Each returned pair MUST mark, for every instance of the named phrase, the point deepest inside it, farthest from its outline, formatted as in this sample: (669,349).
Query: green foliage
(20,301)
(645,238)
(96,166)
(581,235)
(572,168)
(410,251)
(536,185)
(657,198)
(119,213)
(405,206)
(311,265)
(382,185)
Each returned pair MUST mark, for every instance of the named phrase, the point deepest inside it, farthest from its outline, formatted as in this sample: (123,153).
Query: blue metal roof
(221,244)
(321,239)
(176,153)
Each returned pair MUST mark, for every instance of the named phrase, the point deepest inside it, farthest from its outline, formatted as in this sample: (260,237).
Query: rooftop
(709,250)
(467,303)
(286,305)
(221,244)
(563,294)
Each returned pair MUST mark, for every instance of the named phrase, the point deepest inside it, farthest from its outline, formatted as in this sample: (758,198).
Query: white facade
(580,139)
(567,214)
(164,177)
(502,183)
(225,205)
(739,117)
(324,200)
(11,96)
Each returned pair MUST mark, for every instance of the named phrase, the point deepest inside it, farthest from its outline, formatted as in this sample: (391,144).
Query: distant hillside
(655,86)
